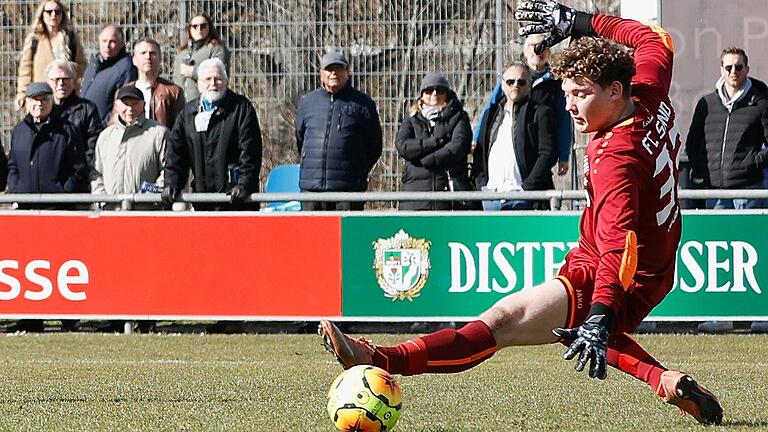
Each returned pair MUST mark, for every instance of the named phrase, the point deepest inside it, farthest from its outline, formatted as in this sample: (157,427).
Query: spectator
(434,140)
(108,70)
(338,136)
(82,113)
(3,168)
(546,90)
(724,143)
(51,36)
(516,148)
(202,42)
(44,158)
(163,100)
(131,150)
(218,137)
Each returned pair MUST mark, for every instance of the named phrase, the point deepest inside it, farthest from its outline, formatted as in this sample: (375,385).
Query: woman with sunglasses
(202,42)
(434,140)
(51,36)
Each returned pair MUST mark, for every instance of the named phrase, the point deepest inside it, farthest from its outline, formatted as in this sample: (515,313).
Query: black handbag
(462,184)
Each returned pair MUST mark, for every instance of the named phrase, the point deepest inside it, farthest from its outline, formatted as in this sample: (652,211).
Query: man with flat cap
(338,135)
(45,156)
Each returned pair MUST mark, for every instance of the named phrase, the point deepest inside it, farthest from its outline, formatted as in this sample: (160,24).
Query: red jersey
(631,178)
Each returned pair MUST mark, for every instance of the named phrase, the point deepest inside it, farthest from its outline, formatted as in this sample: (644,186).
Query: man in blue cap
(338,135)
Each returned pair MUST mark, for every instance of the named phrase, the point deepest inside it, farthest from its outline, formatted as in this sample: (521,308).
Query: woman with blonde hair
(434,139)
(202,42)
(51,36)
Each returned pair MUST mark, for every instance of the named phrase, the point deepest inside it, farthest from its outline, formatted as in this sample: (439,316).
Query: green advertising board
(454,267)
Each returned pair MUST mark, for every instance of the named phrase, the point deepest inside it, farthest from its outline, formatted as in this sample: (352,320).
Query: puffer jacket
(339,140)
(431,153)
(725,147)
(45,158)
(103,78)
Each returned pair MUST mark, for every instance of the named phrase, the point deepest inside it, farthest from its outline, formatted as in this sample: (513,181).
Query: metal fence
(276,46)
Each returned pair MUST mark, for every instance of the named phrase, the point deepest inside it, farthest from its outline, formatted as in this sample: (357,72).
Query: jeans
(496,205)
(737,204)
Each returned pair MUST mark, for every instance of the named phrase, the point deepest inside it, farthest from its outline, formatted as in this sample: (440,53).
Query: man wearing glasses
(516,147)
(725,142)
(82,113)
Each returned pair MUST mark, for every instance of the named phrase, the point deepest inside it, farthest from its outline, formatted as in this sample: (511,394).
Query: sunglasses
(53,11)
(439,90)
(739,67)
(520,82)
(201,26)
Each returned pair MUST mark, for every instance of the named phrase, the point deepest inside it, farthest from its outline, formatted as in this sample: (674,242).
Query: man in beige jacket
(131,150)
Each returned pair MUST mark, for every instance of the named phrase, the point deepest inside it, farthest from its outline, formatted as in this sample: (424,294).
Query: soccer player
(630,229)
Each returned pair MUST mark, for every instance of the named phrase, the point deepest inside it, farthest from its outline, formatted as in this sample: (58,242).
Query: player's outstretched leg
(444,351)
(684,392)
(676,388)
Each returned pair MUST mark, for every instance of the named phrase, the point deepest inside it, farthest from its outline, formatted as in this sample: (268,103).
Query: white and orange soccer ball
(364,398)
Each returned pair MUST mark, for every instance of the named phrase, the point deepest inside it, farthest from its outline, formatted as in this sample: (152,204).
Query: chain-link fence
(276,46)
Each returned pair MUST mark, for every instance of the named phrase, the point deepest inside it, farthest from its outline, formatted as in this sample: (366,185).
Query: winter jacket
(431,153)
(339,140)
(534,141)
(127,156)
(3,168)
(85,117)
(38,52)
(546,90)
(227,154)
(103,78)
(46,160)
(724,148)
(195,56)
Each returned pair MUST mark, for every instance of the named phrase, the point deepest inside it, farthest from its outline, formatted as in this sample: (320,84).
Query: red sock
(629,357)
(444,351)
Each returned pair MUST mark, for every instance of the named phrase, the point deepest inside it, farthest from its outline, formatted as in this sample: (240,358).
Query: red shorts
(642,295)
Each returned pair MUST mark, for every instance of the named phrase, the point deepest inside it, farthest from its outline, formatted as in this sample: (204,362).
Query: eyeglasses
(439,90)
(201,26)
(61,79)
(738,67)
(53,11)
(519,81)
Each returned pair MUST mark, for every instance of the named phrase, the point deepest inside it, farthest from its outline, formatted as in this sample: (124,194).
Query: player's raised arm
(652,44)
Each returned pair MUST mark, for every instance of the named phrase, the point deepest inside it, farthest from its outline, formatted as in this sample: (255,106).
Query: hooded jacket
(724,143)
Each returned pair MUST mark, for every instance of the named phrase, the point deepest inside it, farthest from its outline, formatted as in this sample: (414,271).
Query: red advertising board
(170,266)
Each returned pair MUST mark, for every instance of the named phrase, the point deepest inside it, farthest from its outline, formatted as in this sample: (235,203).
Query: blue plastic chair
(283,178)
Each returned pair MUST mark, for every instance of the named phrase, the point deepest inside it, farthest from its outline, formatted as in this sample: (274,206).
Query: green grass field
(191,382)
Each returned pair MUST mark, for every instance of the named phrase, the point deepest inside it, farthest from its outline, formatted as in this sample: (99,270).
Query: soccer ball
(364,398)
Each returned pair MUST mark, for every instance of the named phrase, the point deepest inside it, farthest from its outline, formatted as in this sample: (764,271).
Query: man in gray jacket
(130,151)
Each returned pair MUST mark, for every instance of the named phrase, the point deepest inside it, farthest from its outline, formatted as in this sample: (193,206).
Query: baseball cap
(37,89)
(332,58)
(129,91)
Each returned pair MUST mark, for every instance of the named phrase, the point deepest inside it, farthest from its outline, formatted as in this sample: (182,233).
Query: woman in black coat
(434,139)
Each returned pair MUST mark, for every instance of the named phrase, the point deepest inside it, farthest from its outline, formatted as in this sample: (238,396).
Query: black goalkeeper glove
(590,341)
(545,16)
(169,194)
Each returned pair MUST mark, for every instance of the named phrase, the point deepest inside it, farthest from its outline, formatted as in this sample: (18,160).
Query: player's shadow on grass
(745,423)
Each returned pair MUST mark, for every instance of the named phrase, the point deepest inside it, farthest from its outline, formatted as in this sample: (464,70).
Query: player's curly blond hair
(602,61)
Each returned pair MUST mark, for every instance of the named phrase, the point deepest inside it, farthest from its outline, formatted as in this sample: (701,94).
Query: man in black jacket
(516,149)
(217,136)
(338,136)
(728,129)
(82,113)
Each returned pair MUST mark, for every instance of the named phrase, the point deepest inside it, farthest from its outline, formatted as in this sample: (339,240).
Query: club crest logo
(402,265)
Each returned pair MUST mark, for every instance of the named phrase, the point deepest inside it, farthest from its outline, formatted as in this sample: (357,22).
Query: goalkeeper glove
(545,16)
(590,342)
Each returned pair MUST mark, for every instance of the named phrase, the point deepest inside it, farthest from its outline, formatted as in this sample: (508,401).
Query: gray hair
(62,64)
(211,63)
